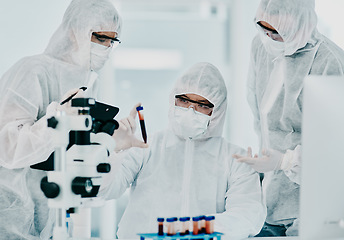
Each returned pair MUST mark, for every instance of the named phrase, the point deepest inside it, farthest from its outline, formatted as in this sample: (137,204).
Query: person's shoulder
(34,59)
(331,49)
(232,148)
(26,69)
(32,64)
(235,149)
(329,58)
(233,164)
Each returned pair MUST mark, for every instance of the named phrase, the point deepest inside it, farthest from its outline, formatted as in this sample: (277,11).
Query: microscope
(83,143)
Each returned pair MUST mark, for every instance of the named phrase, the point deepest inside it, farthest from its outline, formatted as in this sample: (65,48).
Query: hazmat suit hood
(203,79)
(71,42)
(294,20)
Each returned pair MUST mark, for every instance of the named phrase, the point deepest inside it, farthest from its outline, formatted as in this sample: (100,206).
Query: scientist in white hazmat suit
(30,92)
(188,170)
(287,49)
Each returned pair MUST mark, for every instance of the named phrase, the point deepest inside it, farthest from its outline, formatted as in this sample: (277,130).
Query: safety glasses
(112,42)
(183,101)
(272,33)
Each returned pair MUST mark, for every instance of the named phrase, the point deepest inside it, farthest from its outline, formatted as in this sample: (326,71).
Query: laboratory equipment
(82,146)
(154,236)
(195,224)
(185,225)
(142,123)
(71,96)
(161,226)
(184,232)
(322,178)
(209,224)
(171,226)
(202,224)
(69,225)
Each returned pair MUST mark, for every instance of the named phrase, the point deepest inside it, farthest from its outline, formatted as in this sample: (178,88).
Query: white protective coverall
(177,177)
(275,84)
(27,90)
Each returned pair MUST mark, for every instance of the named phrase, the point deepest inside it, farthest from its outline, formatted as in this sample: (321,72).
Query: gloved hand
(66,102)
(125,134)
(269,161)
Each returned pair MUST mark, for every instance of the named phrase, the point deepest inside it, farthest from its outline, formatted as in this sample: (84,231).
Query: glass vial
(185,225)
(171,230)
(202,224)
(195,223)
(161,226)
(209,224)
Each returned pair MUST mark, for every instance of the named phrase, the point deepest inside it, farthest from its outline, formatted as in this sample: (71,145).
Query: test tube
(174,223)
(171,230)
(161,226)
(142,123)
(202,224)
(185,225)
(195,223)
(209,224)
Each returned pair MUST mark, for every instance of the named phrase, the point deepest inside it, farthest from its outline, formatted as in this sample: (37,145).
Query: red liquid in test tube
(142,123)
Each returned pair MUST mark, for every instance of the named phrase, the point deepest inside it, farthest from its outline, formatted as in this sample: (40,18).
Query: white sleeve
(24,139)
(291,164)
(245,212)
(125,167)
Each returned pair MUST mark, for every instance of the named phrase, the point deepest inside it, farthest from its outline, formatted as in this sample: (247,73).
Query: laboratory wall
(26,27)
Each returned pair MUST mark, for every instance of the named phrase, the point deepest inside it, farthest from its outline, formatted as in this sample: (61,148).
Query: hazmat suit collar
(211,146)
(171,139)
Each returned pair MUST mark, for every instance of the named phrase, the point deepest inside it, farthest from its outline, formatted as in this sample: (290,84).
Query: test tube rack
(216,235)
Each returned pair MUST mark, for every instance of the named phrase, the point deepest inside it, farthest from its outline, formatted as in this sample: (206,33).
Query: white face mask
(190,123)
(99,55)
(275,48)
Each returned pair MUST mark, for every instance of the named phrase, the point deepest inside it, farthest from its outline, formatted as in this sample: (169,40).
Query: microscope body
(80,161)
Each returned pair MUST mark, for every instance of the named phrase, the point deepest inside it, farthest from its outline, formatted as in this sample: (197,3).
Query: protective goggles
(205,108)
(114,42)
(273,34)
